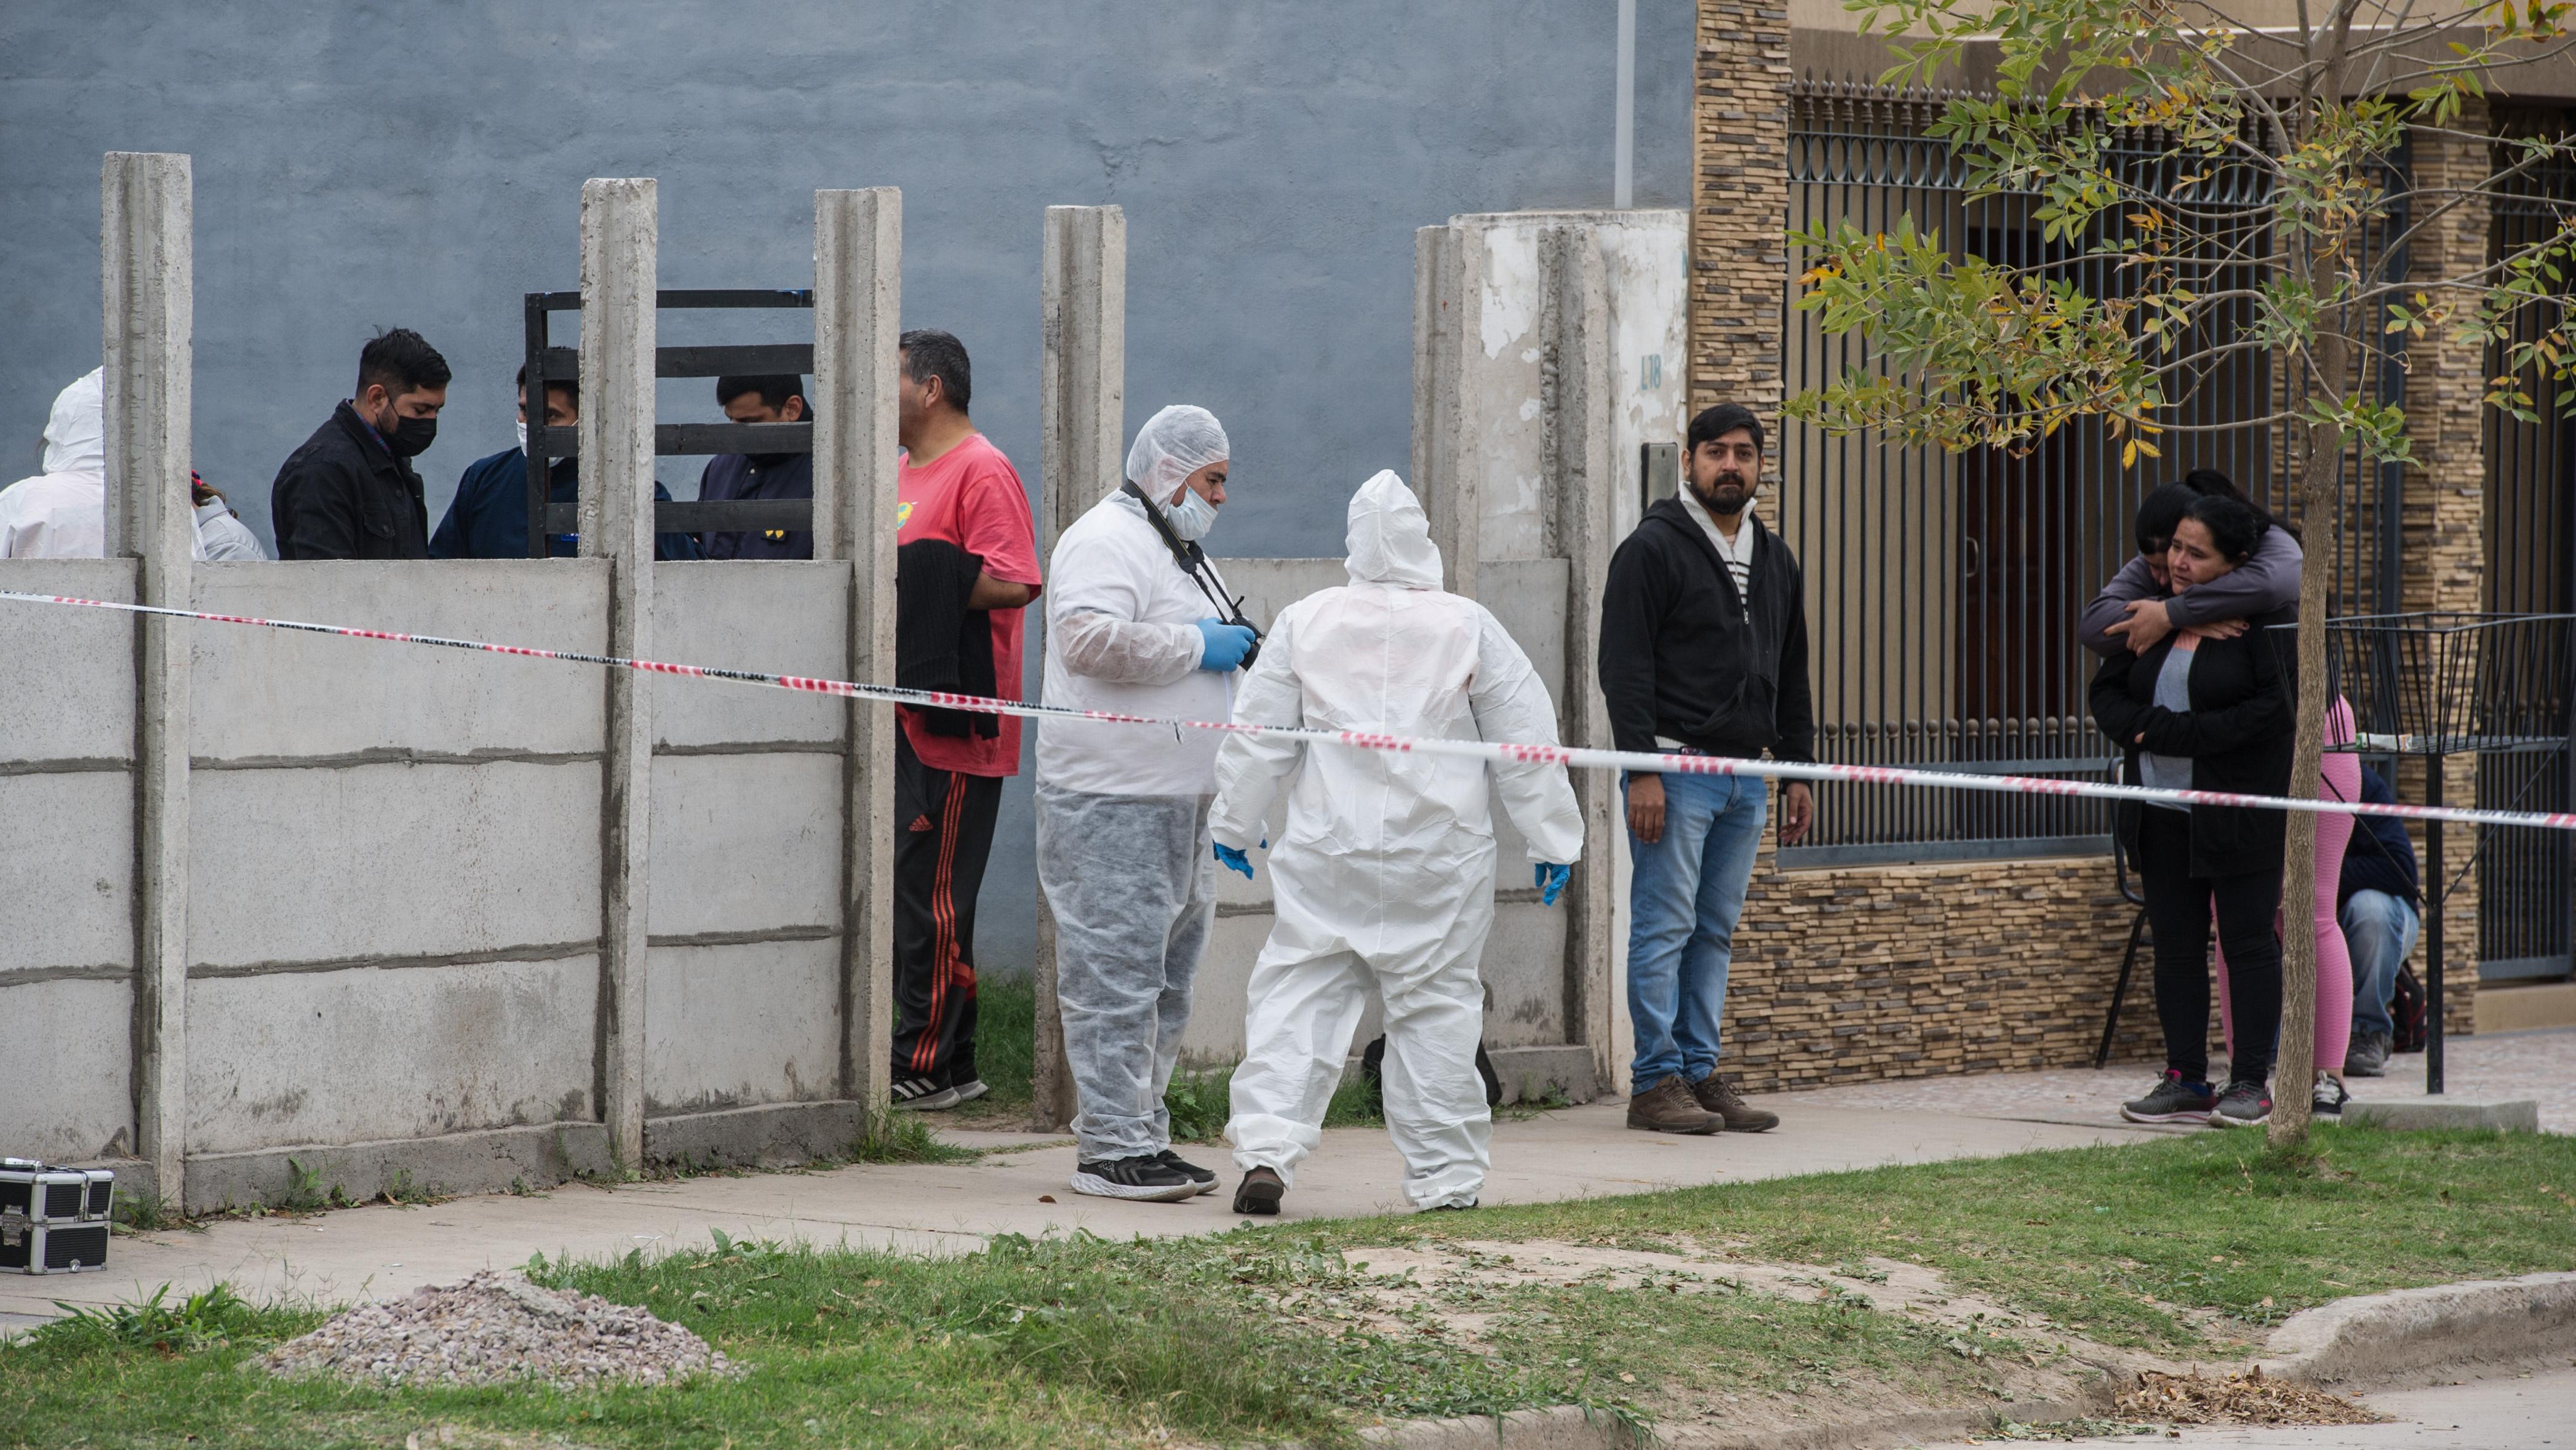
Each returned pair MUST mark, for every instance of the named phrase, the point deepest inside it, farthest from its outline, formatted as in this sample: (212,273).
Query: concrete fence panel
(67,860)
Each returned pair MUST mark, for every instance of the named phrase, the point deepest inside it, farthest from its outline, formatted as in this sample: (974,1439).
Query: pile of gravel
(498,1327)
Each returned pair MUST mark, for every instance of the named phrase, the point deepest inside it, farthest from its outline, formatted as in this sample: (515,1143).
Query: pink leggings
(2342,773)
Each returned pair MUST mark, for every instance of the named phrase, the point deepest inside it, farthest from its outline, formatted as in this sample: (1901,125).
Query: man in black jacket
(1703,652)
(779,399)
(349,492)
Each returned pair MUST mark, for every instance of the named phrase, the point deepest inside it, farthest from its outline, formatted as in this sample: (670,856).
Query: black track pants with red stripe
(943,833)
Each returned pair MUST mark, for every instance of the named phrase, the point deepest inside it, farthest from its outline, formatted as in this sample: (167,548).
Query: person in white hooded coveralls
(61,513)
(1384,875)
(1135,625)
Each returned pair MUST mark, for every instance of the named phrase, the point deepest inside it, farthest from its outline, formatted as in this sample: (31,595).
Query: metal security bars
(546,444)
(1944,591)
(2527,879)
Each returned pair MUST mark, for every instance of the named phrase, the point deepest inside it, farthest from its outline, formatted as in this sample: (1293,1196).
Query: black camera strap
(1192,559)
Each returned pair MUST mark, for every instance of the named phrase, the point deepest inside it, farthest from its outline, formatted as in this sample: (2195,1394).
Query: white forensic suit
(61,513)
(1384,874)
(1122,809)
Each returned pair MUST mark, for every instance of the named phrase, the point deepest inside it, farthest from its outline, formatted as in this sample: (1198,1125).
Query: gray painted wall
(361,165)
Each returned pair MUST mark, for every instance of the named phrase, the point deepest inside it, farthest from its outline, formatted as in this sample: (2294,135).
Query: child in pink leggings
(2342,781)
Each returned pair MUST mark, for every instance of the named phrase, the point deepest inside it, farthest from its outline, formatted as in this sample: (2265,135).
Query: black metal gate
(2527,879)
(1944,590)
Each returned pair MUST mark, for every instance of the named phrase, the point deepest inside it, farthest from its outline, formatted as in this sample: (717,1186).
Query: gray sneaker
(2243,1105)
(2367,1056)
(2171,1100)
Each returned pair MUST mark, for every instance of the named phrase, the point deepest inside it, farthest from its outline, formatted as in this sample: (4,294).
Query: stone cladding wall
(1739,204)
(2442,512)
(1852,974)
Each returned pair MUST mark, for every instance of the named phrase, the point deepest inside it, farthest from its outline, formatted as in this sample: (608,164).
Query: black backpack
(2406,1011)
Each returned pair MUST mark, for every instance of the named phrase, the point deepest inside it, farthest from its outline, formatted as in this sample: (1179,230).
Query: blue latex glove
(1550,880)
(1234,860)
(1222,646)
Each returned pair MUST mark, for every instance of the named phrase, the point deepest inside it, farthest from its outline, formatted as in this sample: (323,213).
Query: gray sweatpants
(1132,884)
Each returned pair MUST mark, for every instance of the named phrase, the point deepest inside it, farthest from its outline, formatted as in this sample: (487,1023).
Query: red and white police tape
(1402,744)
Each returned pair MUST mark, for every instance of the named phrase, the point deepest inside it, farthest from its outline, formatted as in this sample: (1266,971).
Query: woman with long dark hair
(2205,712)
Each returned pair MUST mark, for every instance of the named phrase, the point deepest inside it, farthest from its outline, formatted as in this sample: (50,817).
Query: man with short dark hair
(776,399)
(1703,652)
(349,492)
(954,489)
(488,518)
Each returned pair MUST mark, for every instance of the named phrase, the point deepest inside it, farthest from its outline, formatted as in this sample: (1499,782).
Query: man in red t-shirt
(956,487)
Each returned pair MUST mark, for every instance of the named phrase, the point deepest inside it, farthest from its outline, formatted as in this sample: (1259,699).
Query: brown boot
(1259,1192)
(1719,1096)
(1668,1107)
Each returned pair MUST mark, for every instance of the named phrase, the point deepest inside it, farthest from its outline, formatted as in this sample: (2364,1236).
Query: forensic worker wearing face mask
(350,492)
(1384,875)
(1136,623)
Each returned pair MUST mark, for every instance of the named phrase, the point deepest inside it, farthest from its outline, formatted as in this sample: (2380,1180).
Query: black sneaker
(1200,1176)
(1259,1192)
(2172,1100)
(2367,1055)
(1145,1178)
(2330,1097)
(924,1094)
(2243,1105)
(971,1089)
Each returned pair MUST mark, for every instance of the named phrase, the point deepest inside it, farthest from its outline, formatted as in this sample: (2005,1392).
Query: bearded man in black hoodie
(1703,652)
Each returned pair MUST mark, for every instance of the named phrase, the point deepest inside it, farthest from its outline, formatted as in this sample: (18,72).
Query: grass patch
(1006,1014)
(1271,1334)
(2115,1240)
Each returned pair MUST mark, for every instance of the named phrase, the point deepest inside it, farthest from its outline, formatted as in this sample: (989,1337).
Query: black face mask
(408,437)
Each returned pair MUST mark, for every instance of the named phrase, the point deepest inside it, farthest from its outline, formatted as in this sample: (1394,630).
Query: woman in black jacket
(2200,712)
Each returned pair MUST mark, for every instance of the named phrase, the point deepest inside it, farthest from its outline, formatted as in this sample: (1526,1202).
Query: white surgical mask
(1192,517)
(523,435)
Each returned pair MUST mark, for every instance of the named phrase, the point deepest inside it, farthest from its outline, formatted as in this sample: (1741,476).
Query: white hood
(76,435)
(1390,536)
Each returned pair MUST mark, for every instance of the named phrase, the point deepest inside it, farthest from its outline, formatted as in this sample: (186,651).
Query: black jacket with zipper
(343,495)
(1686,657)
(2237,733)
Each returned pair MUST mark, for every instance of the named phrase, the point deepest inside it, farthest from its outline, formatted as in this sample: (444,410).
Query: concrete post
(147,285)
(1585,472)
(620,232)
(858,283)
(1445,259)
(1082,301)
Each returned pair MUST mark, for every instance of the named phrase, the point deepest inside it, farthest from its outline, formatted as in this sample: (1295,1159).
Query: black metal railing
(544,361)
(1944,591)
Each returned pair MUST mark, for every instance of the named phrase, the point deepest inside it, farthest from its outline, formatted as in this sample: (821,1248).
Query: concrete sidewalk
(383,1251)
(2540,1065)
(2531,1412)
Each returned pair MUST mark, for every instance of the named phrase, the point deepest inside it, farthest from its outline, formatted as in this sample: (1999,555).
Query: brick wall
(1854,974)
(2442,512)
(1739,203)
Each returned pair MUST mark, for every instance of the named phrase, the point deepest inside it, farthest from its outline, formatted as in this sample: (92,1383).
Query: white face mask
(523,435)
(1192,517)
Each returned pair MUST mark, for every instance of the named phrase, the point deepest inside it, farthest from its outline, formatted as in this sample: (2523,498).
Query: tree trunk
(2294,1070)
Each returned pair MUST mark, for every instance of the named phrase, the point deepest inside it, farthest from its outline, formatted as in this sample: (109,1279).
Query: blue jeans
(1683,901)
(2381,930)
